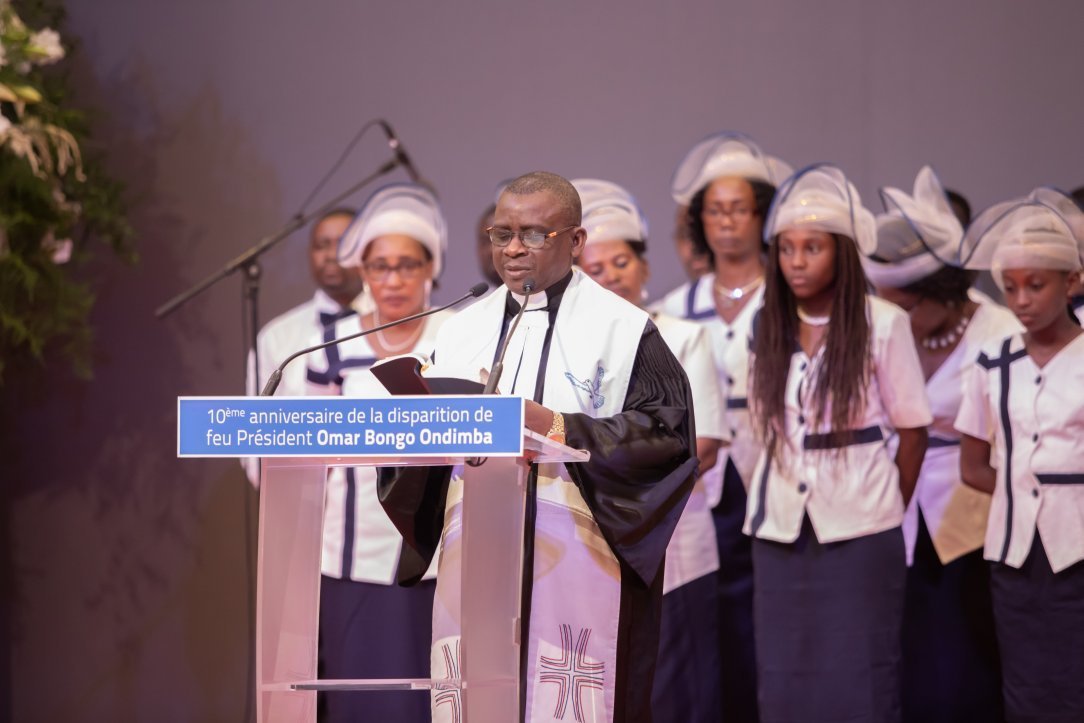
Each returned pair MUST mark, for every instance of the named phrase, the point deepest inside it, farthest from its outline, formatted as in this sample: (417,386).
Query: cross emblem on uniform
(571,673)
(450,698)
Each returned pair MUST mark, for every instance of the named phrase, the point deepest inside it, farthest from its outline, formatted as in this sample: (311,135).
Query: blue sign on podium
(421,426)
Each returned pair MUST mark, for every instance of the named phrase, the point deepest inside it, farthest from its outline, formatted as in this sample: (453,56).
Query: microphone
(401,155)
(276,376)
(495,372)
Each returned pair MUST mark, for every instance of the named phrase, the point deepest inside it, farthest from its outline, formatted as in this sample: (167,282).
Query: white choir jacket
(845,480)
(279,338)
(730,347)
(1035,419)
(693,552)
(955,514)
(359,541)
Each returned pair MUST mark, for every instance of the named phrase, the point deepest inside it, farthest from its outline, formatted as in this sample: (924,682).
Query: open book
(402,375)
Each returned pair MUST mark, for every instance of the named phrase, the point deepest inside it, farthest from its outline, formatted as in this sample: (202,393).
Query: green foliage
(50,194)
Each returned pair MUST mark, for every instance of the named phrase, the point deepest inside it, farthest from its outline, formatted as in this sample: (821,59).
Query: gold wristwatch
(557,428)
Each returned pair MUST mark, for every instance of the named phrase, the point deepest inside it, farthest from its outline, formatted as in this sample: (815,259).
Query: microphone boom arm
(266,243)
(276,376)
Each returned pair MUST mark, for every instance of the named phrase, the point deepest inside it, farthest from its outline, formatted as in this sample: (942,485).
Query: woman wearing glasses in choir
(950,665)
(728,183)
(835,384)
(369,626)
(686,686)
(1022,421)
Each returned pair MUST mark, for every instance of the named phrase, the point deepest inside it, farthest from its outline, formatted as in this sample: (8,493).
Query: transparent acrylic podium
(288,584)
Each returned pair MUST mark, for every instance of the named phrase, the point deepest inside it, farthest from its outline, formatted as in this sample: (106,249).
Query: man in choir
(338,293)
(485,249)
(596,374)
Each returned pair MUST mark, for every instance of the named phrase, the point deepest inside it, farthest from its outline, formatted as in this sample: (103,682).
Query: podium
(288,584)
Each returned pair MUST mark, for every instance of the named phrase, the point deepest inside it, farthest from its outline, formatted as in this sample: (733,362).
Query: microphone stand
(249,264)
(265,244)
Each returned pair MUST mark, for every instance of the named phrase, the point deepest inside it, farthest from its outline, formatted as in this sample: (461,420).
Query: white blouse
(359,541)
(845,480)
(730,347)
(1035,419)
(955,514)
(692,552)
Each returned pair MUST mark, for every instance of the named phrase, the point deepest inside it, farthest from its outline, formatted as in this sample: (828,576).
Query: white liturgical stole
(576,591)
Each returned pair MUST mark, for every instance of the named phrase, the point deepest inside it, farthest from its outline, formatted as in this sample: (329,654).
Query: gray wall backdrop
(127,568)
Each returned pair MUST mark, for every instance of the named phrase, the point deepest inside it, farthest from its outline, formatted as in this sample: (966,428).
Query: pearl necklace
(729,297)
(946,340)
(813,320)
(393,347)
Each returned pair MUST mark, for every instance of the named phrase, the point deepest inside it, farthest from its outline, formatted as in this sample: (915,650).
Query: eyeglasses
(531,238)
(406,268)
(738,213)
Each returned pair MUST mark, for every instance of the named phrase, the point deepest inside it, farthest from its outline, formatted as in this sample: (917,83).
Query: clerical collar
(546,299)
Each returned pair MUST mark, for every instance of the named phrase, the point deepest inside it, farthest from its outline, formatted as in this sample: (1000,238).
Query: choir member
(835,376)
(687,674)
(1022,420)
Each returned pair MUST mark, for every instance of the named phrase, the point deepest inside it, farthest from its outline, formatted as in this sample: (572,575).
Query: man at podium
(596,374)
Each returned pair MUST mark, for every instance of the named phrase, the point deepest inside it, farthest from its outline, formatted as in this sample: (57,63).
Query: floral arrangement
(54,198)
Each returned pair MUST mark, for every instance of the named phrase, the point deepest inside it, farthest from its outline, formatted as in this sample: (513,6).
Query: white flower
(22,145)
(45,44)
(60,250)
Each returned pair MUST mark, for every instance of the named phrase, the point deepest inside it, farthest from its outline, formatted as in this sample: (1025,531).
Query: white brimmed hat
(610,212)
(1021,234)
(820,198)
(724,154)
(402,208)
(1064,204)
(916,236)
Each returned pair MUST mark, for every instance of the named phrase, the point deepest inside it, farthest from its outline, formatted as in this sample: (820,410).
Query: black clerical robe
(635,485)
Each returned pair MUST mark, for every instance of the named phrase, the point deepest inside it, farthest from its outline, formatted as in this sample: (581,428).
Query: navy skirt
(828,619)
(375,631)
(951,671)
(686,688)
(737,660)
(1039,618)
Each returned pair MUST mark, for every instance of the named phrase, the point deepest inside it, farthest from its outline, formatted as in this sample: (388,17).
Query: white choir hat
(610,213)
(1066,207)
(820,198)
(725,154)
(401,208)
(499,189)
(1021,234)
(917,235)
